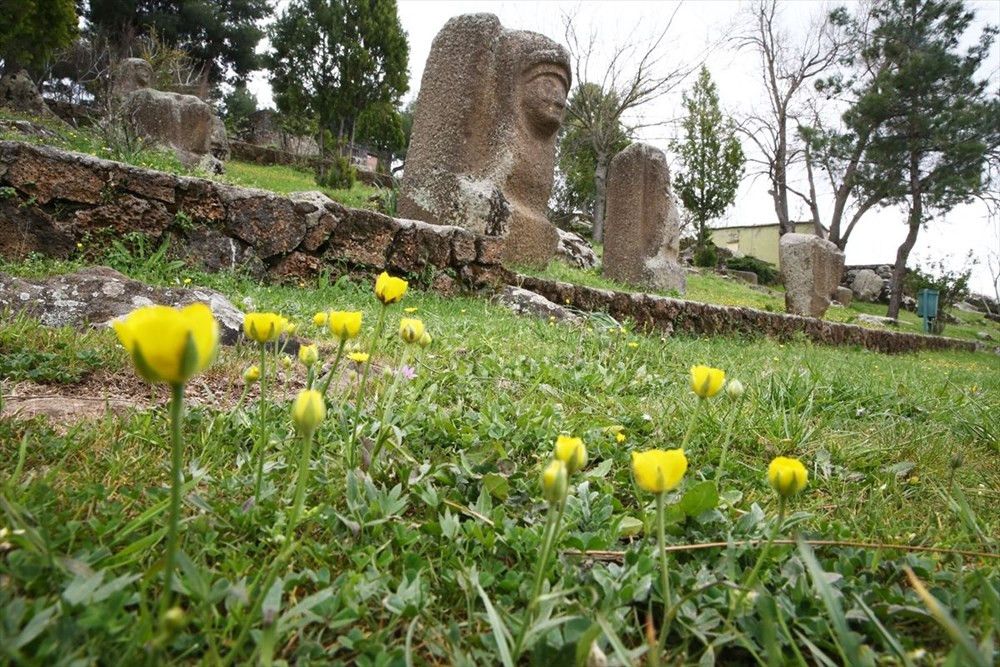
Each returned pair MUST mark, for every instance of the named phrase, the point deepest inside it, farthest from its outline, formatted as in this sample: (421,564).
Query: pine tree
(710,154)
(937,124)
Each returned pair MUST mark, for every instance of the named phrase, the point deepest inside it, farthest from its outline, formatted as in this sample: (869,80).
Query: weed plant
(429,550)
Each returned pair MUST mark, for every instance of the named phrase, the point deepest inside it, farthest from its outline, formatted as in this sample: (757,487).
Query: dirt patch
(119,393)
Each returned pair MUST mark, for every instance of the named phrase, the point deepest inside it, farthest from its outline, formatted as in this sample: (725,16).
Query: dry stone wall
(50,200)
(675,315)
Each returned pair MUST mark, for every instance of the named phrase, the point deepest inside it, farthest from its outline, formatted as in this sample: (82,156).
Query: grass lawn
(283,180)
(432,553)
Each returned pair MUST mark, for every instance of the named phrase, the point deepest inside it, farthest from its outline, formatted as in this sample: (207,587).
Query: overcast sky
(696,32)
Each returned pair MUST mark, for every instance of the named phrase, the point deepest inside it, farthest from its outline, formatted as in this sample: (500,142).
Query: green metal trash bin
(927,307)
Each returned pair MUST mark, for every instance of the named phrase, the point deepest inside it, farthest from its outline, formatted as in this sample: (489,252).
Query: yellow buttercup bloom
(345,324)
(620,438)
(659,470)
(251,374)
(411,330)
(308,355)
(572,452)
(787,476)
(308,411)
(264,327)
(319,319)
(359,357)
(170,345)
(389,289)
(555,482)
(411,310)
(707,382)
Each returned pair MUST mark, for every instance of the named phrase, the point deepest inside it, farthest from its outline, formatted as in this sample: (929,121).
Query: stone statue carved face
(543,97)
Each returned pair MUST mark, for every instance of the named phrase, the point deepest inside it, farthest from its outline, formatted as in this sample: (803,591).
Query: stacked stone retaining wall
(51,200)
(650,311)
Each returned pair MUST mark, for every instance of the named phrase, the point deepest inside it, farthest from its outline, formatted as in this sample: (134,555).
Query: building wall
(759,241)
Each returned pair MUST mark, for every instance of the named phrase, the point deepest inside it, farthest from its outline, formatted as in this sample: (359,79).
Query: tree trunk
(813,203)
(915,218)
(600,195)
(322,151)
(780,181)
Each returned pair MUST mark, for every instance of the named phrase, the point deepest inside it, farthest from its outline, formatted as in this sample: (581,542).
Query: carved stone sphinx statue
(482,151)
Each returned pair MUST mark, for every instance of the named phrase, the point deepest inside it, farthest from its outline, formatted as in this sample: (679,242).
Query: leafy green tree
(31,31)
(575,190)
(937,124)
(331,60)
(710,154)
(237,107)
(380,126)
(221,35)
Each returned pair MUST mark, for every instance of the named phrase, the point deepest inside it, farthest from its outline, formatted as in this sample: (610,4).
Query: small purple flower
(407,372)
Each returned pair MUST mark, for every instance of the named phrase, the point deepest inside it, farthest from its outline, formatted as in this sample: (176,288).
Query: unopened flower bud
(555,482)
(734,389)
(251,375)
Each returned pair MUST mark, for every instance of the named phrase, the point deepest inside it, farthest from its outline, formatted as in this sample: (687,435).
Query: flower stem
(549,533)
(352,458)
(176,462)
(664,573)
(691,423)
(300,485)
(262,436)
(386,403)
(727,439)
(333,370)
(751,580)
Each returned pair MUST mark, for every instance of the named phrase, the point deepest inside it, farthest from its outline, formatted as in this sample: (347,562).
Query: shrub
(707,256)
(766,272)
(340,175)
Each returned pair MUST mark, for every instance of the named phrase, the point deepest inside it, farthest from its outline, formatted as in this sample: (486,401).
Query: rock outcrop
(642,226)
(575,250)
(867,286)
(811,268)
(97,295)
(483,149)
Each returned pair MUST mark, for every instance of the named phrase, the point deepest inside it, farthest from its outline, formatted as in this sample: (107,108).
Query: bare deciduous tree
(605,98)
(786,67)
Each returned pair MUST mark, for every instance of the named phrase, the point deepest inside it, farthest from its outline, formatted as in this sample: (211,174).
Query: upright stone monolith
(642,226)
(483,146)
(811,268)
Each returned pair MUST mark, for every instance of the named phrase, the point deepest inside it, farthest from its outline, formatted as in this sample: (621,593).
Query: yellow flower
(187,281)
(572,452)
(633,345)
(659,470)
(389,289)
(425,340)
(411,330)
(787,476)
(359,357)
(319,319)
(286,362)
(706,382)
(345,324)
(170,345)
(308,355)
(554,482)
(290,328)
(411,310)
(308,411)
(251,375)
(620,438)
(264,327)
